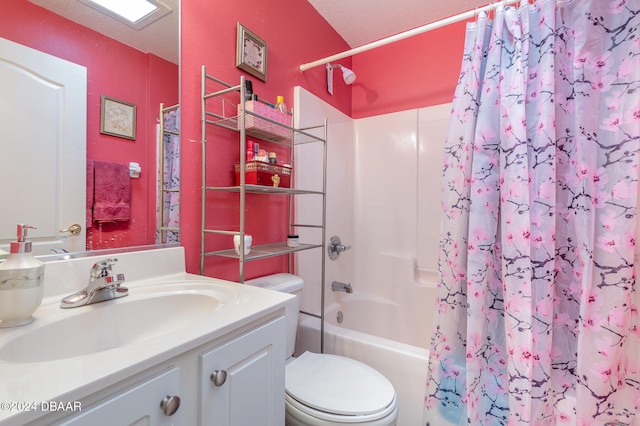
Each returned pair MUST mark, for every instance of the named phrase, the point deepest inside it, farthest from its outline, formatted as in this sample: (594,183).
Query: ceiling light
(136,13)
(131,10)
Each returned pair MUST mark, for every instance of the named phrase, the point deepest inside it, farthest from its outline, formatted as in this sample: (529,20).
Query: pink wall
(118,71)
(412,73)
(409,74)
(295,34)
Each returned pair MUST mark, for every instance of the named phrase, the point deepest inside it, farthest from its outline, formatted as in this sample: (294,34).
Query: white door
(43,110)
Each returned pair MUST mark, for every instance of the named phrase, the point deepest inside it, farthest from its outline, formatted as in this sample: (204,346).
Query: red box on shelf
(265,174)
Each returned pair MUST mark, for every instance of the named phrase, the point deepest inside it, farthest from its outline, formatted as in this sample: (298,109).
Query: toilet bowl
(324,389)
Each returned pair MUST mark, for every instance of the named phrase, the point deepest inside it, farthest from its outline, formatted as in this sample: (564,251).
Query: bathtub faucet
(338,286)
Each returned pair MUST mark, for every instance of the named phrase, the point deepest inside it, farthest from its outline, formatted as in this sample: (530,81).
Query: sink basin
(147,312)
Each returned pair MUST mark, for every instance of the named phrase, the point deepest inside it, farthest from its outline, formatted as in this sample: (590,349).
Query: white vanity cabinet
(251,361)
(152,402)
(242,381)
(114,363)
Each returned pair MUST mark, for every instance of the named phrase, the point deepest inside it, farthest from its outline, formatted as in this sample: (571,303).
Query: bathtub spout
(338,286)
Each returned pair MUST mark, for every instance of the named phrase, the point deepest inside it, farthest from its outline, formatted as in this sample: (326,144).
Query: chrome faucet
(335,247)
(338,286)
(103,285)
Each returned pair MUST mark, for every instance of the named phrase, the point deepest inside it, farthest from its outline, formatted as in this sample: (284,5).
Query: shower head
(347,75)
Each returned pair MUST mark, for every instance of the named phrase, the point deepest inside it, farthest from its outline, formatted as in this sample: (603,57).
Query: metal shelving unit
(225,108)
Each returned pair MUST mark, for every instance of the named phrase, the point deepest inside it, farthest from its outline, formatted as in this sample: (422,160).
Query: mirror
(136,66)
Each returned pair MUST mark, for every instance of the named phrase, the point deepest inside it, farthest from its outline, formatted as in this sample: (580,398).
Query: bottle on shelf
(280,105)
(262,156)
(250,153)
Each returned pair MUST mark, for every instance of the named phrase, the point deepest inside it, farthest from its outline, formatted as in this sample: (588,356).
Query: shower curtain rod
(410,33)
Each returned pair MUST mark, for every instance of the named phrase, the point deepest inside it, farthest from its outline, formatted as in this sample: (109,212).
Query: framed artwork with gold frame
(251,53)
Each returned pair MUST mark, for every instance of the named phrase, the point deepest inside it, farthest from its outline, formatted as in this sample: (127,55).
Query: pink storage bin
(262,129)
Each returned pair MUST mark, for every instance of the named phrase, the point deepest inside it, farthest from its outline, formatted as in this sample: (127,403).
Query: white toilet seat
(312,416)
(337,389)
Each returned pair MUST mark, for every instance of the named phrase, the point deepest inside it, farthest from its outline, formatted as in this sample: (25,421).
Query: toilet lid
(338,385)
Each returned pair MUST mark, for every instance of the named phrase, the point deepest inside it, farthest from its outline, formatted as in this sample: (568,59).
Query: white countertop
(71,379)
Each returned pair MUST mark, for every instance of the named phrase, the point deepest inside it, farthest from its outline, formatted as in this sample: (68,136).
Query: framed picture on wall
(251,53)
(117,118)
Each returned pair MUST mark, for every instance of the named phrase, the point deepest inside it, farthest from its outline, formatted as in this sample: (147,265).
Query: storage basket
(263,129)
(265,174)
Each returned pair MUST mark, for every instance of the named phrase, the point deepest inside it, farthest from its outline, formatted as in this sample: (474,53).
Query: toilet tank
(286,283)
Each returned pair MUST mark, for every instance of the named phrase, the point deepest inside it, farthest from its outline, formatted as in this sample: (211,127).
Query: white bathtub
(391,337)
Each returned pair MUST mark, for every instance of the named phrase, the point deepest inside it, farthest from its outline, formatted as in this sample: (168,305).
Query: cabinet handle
(218,377)
(170,405)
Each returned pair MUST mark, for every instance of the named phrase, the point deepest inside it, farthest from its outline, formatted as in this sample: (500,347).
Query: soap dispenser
(21,277)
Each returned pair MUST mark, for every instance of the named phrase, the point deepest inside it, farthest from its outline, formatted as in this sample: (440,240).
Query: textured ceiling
(362,21)
(159,38)
(357,21)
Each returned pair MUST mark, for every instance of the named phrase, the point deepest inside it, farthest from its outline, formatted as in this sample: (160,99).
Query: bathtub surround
(538,306)
(384,174)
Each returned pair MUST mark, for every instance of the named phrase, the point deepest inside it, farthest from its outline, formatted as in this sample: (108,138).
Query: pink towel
(111,192)
(89,194)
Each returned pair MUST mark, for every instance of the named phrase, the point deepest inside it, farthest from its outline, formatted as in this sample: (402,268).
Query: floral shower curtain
(538,303)
(171,178)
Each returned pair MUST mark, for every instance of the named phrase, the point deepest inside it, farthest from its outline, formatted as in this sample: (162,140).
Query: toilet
(324,389)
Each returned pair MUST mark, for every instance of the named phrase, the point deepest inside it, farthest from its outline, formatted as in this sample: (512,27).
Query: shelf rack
(226,108)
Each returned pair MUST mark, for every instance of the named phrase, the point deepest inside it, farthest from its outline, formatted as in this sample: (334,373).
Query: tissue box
(262,129)
(265,174)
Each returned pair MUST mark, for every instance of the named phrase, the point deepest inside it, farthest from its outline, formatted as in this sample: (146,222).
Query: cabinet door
(242,381)
(138,406)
